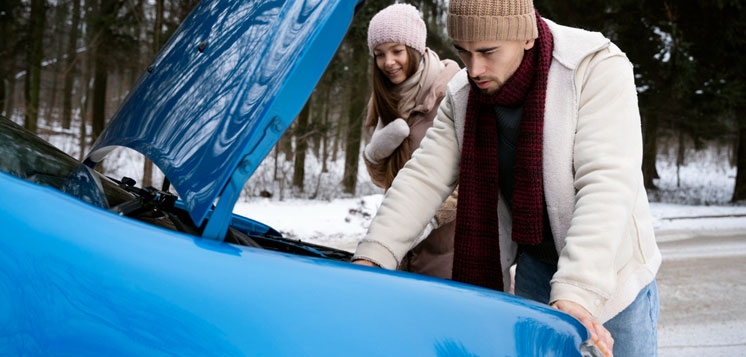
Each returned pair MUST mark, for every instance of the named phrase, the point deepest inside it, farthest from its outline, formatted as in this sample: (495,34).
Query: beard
(489,85)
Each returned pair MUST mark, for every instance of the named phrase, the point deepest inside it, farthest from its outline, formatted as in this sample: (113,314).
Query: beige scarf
(415,92)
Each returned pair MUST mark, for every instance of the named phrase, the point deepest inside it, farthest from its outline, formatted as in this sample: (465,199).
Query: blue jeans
(634,329)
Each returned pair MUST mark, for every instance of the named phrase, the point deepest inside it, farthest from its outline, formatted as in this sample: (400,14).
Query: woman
(409,81)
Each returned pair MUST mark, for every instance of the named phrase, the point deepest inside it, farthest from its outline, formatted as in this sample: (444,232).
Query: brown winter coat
(434,255)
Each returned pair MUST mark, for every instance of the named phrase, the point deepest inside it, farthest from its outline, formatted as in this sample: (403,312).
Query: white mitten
(386,139)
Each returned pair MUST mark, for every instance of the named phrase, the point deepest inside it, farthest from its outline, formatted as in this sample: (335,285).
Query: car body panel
(78,278)
(123,286)
(222,91)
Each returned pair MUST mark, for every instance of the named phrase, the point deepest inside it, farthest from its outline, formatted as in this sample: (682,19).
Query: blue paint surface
(78,279)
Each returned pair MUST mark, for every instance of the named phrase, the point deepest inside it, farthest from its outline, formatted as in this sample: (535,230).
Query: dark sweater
(508,121)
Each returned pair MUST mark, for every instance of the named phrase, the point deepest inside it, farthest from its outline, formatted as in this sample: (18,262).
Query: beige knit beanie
(492,20)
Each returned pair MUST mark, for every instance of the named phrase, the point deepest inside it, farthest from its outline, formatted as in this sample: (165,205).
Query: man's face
(491,63)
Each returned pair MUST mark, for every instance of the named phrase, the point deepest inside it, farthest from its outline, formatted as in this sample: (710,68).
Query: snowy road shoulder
(341,223)
(677,222)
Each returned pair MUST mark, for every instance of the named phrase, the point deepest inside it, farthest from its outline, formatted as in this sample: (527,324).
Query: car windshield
(26,156)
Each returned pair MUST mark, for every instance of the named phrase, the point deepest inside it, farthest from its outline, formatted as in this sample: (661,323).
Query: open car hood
(221,93)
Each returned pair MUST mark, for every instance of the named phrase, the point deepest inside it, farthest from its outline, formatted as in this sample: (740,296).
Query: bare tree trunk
(98,112)
(7,102)
(184,8)
(286,143)
(104,36)
(359,86)
(86,87)
(337,138)
(352,151)
(147,172)
(8,53)
(71,65)
(650,151)
(276,168)
(33,63)
(680,154)
(158,26)
(3,94)
(739,191)
(60,18)
(301,146)
(91,11)
(317,130)
(325,133)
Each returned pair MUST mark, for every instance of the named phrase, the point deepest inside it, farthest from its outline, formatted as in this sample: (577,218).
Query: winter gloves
(386,139)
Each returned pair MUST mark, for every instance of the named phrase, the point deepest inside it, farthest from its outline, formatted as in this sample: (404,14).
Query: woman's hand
(386,139)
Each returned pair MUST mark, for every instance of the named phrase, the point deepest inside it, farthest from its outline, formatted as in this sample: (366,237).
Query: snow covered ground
(342,223)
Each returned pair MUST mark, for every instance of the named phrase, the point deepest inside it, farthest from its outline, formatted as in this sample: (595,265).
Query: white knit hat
(398,23)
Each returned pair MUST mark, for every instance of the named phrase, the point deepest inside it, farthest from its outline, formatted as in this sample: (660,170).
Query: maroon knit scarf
(477,252)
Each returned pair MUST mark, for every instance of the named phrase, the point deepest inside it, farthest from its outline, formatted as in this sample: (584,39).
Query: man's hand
(386,139)
(599,334)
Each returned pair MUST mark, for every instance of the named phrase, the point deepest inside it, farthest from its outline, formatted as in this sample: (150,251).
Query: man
(542,133)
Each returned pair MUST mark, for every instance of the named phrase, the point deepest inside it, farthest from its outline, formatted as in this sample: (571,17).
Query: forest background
(66,65)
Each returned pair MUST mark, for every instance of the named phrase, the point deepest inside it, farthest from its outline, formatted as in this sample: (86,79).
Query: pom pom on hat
(398,23)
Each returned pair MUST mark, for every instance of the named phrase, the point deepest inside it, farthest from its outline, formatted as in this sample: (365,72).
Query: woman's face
(392,59)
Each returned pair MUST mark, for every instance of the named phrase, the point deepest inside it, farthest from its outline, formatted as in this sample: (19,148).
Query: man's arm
(417,192)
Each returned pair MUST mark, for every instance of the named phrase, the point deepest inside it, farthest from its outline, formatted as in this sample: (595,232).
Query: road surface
(702,287)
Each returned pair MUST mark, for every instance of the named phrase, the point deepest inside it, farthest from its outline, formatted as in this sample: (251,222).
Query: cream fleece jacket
(597,204)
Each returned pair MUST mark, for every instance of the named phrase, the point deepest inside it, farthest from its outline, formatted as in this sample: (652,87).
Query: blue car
(95,265)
